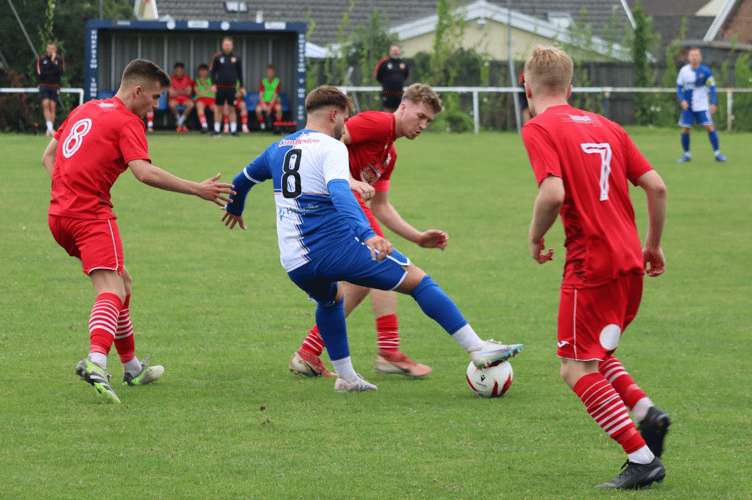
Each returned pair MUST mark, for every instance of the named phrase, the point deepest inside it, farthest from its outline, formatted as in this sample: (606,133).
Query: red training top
(96,142)
(595,158)
(181,83)
(371,150)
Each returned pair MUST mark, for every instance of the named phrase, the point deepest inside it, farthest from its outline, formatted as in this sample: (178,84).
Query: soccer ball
(492,381)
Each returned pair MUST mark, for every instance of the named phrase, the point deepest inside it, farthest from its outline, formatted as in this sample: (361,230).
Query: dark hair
(51,42)
(143,70)
(327,95)
(270,66)
(203,66)
(179,65)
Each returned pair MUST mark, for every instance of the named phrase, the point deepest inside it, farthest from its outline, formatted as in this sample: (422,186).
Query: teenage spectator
(226,73)
(269,89)
(695,86)
(179,94)
(391,72)
(204,98)
(49,68)
(241,107)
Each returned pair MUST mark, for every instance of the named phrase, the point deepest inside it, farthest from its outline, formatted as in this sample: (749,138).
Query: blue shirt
(316,210)
(695,86)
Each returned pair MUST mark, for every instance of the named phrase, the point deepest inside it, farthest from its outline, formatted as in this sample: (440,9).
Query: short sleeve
(368,127)
(132,143)
(335,162)
(637,164)
(544,157)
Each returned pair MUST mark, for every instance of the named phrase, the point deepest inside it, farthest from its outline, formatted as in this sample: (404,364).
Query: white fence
(606,91)
(20,90)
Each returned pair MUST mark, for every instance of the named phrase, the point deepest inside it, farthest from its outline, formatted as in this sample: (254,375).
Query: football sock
(124,342)
(467,338)
(260,120)
(313,342)
(388,333)
(98,359)
(331,323)
(244,119)
(437,305)
(685,142)
(234,127)
(606,407)
(612,369)
(344,369)
(150,119)
(642,456)
(103,323)
(640,409)
(49,126)
(713,136)
(181,118)
(217,126)
(202,120)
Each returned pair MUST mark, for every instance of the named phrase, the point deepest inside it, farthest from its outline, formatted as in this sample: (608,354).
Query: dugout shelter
(111,44)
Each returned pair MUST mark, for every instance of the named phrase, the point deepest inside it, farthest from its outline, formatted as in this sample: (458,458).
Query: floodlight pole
(33,50)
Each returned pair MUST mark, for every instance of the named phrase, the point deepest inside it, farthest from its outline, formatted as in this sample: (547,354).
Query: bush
(17,111)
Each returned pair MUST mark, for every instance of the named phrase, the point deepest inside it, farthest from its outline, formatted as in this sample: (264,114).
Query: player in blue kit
(695,87)
(324,237)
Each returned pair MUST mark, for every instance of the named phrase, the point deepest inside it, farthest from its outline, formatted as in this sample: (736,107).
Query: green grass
(216,309)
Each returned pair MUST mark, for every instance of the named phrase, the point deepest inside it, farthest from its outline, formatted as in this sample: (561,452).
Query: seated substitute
(179,94)
(205,97)
(269,89)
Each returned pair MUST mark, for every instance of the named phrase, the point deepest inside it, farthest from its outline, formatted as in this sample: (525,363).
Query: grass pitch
(216,309)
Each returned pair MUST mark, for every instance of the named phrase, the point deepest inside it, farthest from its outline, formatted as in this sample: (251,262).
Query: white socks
(642,456)
(50,127)
(133,367)
(98,359)
(344,369)
(467,338)
(640,409)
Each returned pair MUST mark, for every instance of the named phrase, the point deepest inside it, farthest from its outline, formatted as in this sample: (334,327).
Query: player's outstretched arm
(657,196)
(209,190)
(547,205)
(48,158)
(388,215)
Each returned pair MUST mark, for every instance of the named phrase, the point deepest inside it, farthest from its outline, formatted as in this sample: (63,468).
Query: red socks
(124,341)
(606,407)
(388,333)
(103,322)
(615,373)
(313,343)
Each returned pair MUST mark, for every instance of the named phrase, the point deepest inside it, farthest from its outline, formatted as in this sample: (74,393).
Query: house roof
(328,14)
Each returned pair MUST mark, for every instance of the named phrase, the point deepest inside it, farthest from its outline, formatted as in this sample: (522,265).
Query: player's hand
(433,238)
(685,105)
(364,190)
(655,262)
(712,109)
(211,190)
(380,247)
(214,89)
(232,219)
(536,252)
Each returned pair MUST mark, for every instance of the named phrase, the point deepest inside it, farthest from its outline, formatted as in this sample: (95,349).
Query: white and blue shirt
(697,87)
(316,210)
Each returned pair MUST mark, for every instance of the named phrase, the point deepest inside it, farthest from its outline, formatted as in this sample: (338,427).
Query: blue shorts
(689,117)
(352,263)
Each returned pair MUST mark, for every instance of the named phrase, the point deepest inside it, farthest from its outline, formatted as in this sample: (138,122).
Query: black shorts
(51,93)
(226,95)
(390,100)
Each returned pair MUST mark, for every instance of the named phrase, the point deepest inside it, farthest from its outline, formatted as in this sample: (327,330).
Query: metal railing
(606,91)
(23,90)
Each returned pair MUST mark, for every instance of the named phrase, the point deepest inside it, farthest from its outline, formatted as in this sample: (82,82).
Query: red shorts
(369,215)
(96,243)
(207,101)
(180,99)
(272,106)
(591,320)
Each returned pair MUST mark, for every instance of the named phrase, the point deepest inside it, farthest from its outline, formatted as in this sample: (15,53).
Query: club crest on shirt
(233,60)
(370,174)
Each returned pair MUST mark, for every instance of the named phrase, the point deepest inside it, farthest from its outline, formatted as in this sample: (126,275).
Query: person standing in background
(391,72)
(49,68)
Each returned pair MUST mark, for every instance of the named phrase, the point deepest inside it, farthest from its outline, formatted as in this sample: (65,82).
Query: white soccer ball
(492,381)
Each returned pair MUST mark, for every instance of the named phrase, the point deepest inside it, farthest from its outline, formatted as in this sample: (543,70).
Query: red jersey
(96,142)
(371,150)
(181,83)
(595,158)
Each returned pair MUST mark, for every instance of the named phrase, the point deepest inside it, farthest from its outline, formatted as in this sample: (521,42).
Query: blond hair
(420,92)
(549,70)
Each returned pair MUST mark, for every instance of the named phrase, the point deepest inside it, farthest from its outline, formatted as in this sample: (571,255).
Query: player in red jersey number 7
(583,164)
(97,142)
